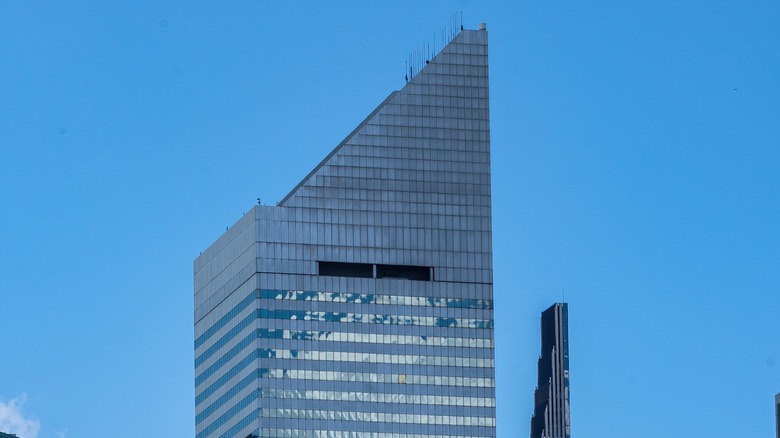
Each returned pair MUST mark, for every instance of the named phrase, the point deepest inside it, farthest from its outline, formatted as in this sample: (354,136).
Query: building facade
(361,305)
(551,417)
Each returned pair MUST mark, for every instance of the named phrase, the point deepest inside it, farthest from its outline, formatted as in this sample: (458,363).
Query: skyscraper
(777,414)
(551,398)
(361,305)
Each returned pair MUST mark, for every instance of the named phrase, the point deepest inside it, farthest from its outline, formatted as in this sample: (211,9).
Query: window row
(373,318)
(378,417)
(375,338)
(335,297)
(409,379)
(444,128)
(395,359)
(373,397)
(302,433)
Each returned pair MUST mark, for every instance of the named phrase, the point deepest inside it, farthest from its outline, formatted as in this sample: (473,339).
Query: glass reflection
(334,297)
(374,397)
(378,417)
(430,321)
(346,376)
(299,433)
(398,359)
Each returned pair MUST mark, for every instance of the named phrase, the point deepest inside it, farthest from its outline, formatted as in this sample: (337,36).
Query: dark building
(7,435)
(777,414)
(551,398)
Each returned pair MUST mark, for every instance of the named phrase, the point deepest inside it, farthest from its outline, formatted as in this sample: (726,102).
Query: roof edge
(336,149)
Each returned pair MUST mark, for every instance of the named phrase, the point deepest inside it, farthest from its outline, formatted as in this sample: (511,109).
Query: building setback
(361,305)
(551,398)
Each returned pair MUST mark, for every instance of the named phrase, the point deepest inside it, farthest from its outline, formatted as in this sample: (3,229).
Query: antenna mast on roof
(423,55)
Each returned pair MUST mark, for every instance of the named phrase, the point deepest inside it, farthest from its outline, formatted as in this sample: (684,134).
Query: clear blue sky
(636,165)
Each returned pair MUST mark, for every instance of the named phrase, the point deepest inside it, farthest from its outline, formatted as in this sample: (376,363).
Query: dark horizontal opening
(420,273)
(338,269)
(367,270)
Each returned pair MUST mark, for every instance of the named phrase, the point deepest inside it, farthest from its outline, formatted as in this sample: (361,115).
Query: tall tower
(551,398)
(777,414)
(361,305)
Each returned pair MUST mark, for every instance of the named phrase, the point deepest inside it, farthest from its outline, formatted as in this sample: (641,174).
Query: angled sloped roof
(423,143)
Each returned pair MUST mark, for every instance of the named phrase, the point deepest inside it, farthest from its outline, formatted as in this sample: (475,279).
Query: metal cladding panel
(395,338)
(224,266)
(414,181)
